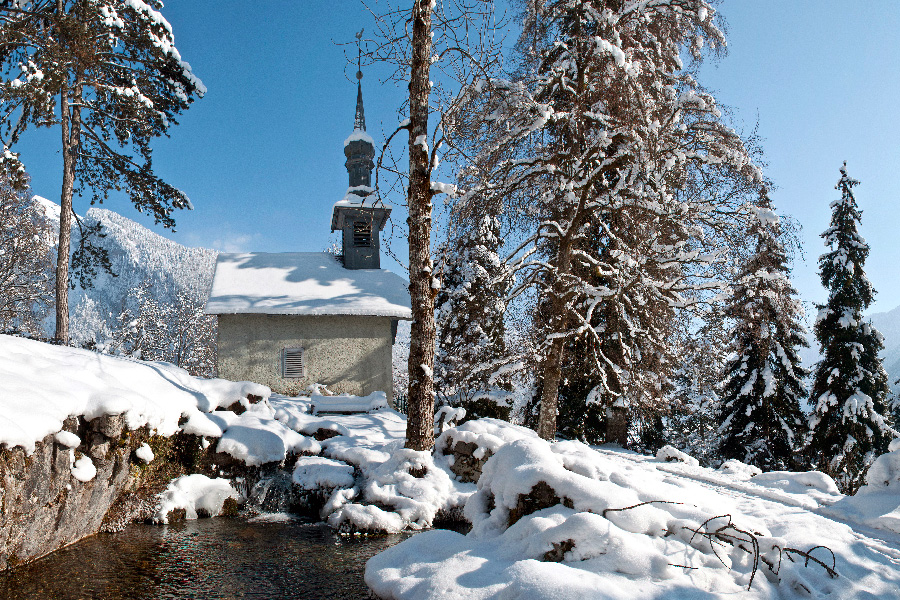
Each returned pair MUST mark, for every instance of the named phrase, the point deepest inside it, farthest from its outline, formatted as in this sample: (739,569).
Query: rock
(321,434)
(111,426)
(541,496)
(230,507)
(465,465)
(236,407)
(178,514)
(99,446)
(559,551)
(44,507)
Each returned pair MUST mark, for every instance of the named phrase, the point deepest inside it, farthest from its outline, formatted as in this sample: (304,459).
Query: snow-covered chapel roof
(304,283)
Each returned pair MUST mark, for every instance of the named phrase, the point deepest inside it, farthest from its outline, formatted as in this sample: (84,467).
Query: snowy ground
(622,526)
(703,534)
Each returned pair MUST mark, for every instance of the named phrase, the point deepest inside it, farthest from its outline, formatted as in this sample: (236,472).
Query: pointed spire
(359,123)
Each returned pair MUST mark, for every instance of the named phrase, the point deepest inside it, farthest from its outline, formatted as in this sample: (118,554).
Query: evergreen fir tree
(472,352)
(760,415)
(850,388)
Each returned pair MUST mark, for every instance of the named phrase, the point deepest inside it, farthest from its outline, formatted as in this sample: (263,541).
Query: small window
(362,235)
(293,365)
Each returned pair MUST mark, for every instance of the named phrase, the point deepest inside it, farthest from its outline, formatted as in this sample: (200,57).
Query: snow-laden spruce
(470,369)
(849,424)
(761,420)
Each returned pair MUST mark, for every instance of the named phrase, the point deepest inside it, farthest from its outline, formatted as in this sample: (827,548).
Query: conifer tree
(108,73)
(760,417)
(850,387)
(472,352)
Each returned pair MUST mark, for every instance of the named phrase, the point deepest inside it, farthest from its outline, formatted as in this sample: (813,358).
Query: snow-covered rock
(320,473)
(41,385)
(197,495)
(671,454)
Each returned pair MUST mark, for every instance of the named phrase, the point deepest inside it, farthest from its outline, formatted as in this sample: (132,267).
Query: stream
(267,557)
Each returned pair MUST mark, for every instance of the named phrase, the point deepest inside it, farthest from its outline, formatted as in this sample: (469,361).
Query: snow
(41,385)
(359,136)
(578,548)
(348,403)
(304,283)
(68,439)
(144,453)
(317,472)
(194,494)
(83,469)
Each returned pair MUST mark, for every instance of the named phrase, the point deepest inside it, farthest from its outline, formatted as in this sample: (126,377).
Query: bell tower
(360,216)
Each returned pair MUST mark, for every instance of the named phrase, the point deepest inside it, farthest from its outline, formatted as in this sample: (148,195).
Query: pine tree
(692,423)
(760,418)
(108,73)
(472,362)
(850,387)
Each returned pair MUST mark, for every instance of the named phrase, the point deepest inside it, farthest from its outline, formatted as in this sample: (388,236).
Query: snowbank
(41,385)
(566,521)
(877,503)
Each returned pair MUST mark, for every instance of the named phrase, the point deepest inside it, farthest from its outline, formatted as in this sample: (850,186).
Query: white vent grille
(293,365)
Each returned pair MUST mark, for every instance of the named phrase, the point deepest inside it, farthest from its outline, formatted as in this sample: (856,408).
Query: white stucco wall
(349,354)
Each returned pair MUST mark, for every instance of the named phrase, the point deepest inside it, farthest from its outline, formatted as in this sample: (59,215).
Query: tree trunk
(69,126)
(553,360)
(420,411)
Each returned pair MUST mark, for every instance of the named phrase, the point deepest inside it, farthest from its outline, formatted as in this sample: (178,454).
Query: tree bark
(420,416)
(553,360)
(71,137)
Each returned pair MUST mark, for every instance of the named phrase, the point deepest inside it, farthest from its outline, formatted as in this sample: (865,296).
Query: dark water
(203,559)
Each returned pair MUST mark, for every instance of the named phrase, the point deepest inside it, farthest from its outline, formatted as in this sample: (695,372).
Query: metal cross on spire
(359,123)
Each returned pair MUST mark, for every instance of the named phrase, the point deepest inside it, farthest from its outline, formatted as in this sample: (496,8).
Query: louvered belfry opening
(362,234)
(292,364)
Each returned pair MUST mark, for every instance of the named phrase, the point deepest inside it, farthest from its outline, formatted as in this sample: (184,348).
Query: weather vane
(359,53)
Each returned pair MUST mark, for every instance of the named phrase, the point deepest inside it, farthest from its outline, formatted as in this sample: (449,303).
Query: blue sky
(261,156)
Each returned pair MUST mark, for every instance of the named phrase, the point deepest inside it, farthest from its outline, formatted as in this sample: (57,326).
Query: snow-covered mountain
(888,323)
(141,259)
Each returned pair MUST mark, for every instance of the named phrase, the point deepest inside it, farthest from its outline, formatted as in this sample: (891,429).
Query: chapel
(290,320)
